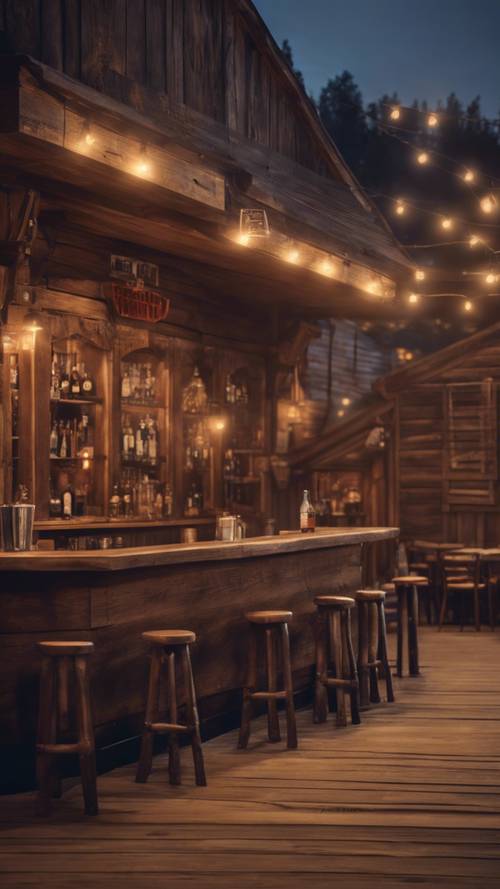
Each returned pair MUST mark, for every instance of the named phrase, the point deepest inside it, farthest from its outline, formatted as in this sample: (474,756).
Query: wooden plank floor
(412,796)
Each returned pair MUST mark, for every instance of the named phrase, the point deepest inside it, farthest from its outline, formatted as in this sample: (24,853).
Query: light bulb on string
(346,401)
(419,275)
(413,298)
(432,120)
(243,239)
(469,176)
(422,158)
(447,223)
(292,256)
(474,240)
(143,164)
(325,268)
(468,305)
(488,203)
(490,278)
(395,112)
(400,208)
(340,413)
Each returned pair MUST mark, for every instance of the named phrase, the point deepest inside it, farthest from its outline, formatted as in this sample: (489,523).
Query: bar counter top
(205,551)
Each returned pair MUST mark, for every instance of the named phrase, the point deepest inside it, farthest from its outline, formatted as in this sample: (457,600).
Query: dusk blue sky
(421,48)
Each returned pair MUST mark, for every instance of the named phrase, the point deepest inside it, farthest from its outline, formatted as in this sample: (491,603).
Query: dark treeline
(387,167)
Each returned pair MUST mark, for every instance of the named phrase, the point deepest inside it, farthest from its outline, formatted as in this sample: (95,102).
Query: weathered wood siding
(422,458)
(202,54)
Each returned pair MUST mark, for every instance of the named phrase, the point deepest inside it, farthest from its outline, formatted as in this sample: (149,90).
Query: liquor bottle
(131,440)
(139,440)
(307,514)
(64,446)
(115,503)
(13,372)
(55,504)
(75,388)
(152,441)
(148,384)
(55,383)
(168,501)
(68,502)
(126,389)
(54,441)
(85,429)
(87,384)
(64,386)
(127,499)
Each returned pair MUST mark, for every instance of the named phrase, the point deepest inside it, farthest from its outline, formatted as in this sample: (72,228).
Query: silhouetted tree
(286,49)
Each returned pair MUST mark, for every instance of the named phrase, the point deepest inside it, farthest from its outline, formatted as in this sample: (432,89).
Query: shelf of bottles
(76,430)
(244,440)
(143,489)
(197,447)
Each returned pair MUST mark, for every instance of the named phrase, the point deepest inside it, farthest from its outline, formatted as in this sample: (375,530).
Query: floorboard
(412,796)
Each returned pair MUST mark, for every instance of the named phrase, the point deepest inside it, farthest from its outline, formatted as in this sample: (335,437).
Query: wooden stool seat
(167,645)
(369,595)
(169,637)
(268,617)
(388,588)
(418,566)
(334,646)
(459,584)
(270,628)
(334,601)
(372,647)
(55,648)
(410,579)
(59,659)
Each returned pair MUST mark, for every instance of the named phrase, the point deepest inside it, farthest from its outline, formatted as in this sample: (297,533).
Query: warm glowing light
(408,356)
(292,256)
(413,298)
(325,267)
(89,138)
(143,164)
(373,286)
(447,223)
(395,112)
(419,275)
(400,208)
(422,158)
(346,401)
(432,120)
(243,239)
(488,203)
(474,240)
(490,278)
(469,176)
(468,306)
(340,413)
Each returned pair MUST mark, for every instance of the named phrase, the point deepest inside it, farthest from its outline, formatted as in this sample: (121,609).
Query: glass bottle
(65,384)
(115,503)
(54,441)
(126,389)
(68,502)
(88,385)
(55,504)
(307,514)
(75,389)
(168,501)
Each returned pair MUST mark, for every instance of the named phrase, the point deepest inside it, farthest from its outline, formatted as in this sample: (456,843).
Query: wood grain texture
(410,797)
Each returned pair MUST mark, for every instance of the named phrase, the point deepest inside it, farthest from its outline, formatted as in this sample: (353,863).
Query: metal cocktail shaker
(17,524)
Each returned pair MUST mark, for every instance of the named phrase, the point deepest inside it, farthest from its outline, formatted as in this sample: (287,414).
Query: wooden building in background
(424,452)
(131,137)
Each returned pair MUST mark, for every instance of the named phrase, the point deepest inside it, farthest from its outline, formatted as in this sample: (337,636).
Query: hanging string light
(474,240)
(469,176)
(292,255)
(395,112)
(432,120)
(468,305)
(419,275)
(413,299)
(491,278)
(488,203)
(400,207)
(447,223)
(423,158)
(143,164)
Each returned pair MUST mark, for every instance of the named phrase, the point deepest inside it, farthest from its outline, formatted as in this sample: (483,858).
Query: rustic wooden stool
(53,717)
(275,627)
(334,644)
(407,592)
(372,647)
(165,646)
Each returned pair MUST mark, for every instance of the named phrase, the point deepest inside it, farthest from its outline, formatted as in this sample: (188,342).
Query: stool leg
(444,604)
(383,655)
(45,735)
(492,600)
(412,593)
(373,634)
(364,696)
(401,621)
(174,758)
(86,736)
(273,726)
(336,637)
(477,615)
(146,756)
(248,689)
(320,709)
(192,719)
(291,725)
(351,666)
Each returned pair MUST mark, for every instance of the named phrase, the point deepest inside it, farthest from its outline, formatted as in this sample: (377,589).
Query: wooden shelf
(154,405)
(95,523)
(66,401)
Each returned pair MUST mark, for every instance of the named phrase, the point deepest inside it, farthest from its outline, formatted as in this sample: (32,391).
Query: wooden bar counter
(111,596)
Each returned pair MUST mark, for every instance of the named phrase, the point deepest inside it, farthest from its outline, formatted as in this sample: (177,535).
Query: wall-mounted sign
(138,303)
(136,272)
(254,223)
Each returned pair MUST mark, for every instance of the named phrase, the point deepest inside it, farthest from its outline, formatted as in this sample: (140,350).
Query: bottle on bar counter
(307,514)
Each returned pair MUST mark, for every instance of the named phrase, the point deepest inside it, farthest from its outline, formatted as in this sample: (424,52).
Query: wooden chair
(166,647)
(407,587)
(372,647)
(334,646)
(272,628)
(61,661)
(462,577)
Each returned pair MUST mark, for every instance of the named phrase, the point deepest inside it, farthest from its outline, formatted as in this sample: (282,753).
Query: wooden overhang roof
(204,173)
